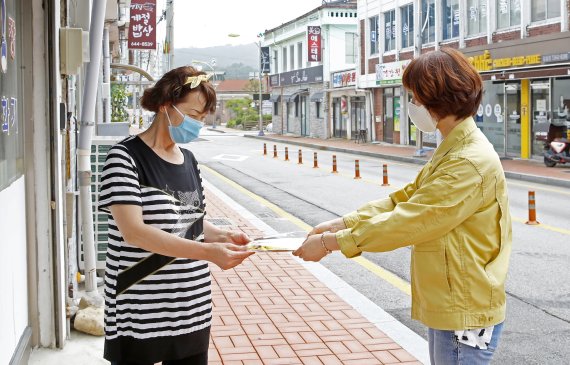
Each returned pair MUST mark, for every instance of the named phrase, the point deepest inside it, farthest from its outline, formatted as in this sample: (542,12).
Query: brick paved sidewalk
(271,310)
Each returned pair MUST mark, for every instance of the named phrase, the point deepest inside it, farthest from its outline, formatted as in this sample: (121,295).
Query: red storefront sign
(142,24)
(314,43)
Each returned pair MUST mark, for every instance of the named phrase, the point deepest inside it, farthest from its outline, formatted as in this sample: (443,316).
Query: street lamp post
(211,65)
(260,93)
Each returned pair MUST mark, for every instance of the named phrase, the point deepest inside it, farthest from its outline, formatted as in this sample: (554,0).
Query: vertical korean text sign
(314,43)
(142,24)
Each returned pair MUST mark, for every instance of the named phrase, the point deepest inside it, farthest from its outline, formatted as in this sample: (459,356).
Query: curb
(418,161)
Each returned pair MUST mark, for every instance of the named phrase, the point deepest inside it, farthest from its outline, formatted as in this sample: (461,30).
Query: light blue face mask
(187,131)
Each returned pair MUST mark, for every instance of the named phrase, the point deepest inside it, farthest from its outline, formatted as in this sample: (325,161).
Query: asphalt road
(537,328)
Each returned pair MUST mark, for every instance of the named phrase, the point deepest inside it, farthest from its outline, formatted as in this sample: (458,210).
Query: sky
(207,23)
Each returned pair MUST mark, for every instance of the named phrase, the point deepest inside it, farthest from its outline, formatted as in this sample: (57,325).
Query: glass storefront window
(508,13)
(489,116)
(428,21)
(450,17)
(11,126)
(540,113)
(476,16)
(407,26)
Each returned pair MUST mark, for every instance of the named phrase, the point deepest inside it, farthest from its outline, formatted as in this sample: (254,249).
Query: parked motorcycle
(558,152)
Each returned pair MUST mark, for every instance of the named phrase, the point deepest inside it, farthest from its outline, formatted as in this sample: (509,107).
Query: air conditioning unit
(99,149)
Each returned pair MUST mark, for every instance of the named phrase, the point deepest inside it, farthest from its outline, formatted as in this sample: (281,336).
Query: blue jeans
(444,349)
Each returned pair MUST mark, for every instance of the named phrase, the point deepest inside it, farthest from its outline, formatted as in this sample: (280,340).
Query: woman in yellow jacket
(455,215)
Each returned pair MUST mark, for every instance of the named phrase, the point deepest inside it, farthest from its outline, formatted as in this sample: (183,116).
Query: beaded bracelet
(323,243)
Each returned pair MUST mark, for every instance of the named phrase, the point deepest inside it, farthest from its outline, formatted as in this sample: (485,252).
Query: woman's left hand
(312,249)
(237,238)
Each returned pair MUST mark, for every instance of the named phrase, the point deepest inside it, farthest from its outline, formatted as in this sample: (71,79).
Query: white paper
(276,244)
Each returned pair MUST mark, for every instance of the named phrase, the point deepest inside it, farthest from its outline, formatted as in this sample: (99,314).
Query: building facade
(303,54)
(520,47)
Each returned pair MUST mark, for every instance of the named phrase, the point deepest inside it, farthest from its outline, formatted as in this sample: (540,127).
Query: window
(544,9)
(508,13)
(350,47)
(296,106)
(292,57)
(284,49)
(275,62)
(428,21)
(373,35)
(407,26)
(476,16)
(276,108)
(300,55)
(318,107)
(450,17)
(390,30)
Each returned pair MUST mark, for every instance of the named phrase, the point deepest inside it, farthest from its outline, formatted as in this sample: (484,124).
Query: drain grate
(220,221)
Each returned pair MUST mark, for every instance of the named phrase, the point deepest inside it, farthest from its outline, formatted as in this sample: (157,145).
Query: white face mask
(420,116)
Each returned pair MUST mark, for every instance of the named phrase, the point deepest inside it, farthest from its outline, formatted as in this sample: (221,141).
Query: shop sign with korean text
(297,77)
(390,73)
(314,43)
(142,24)
(344,78)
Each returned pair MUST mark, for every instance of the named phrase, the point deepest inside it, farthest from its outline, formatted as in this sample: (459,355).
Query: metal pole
(87,122)
(106,77)
(260,95)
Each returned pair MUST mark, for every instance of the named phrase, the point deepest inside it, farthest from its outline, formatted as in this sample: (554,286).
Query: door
(305,122)
(541,114)
(512,119)
(339,122)
(389,115)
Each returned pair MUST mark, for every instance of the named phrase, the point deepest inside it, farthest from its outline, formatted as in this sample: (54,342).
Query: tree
(119,103)
(242,110)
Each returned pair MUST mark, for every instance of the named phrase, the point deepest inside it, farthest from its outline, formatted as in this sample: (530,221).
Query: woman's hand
(333,226)
(227,255)
(313,249)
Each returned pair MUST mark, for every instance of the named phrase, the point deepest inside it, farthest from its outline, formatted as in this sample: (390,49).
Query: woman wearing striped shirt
(157,280)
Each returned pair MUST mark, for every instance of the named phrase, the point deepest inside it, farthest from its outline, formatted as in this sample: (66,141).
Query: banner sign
(314,43)
(344,78)
(390,73)
(142,24)
(303,76)
(264,60)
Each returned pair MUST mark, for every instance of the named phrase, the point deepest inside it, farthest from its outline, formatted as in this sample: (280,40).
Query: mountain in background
(236,61)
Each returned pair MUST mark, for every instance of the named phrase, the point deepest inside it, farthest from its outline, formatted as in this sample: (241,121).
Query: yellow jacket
(455,215)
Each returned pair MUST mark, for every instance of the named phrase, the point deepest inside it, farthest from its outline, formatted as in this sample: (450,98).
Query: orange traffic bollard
(274,151)
(356,169)
(334,171)
(531,209)
(264,149)
(385,175)
(315,161)
(300,157)
(286,154)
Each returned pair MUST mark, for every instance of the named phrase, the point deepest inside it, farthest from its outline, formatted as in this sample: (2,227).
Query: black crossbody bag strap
(145,267)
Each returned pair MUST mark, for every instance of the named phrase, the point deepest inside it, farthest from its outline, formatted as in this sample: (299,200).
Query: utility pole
(418,52)
(170,32)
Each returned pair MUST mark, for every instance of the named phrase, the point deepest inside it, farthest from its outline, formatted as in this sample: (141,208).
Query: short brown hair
(172,88)
(445,83)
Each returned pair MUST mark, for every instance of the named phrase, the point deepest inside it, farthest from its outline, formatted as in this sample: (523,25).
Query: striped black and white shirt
(167,314)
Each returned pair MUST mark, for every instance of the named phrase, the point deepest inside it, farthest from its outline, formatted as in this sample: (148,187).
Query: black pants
(198,359)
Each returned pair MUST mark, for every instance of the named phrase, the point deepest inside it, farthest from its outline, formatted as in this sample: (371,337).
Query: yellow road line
(370,266)
(544,226)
